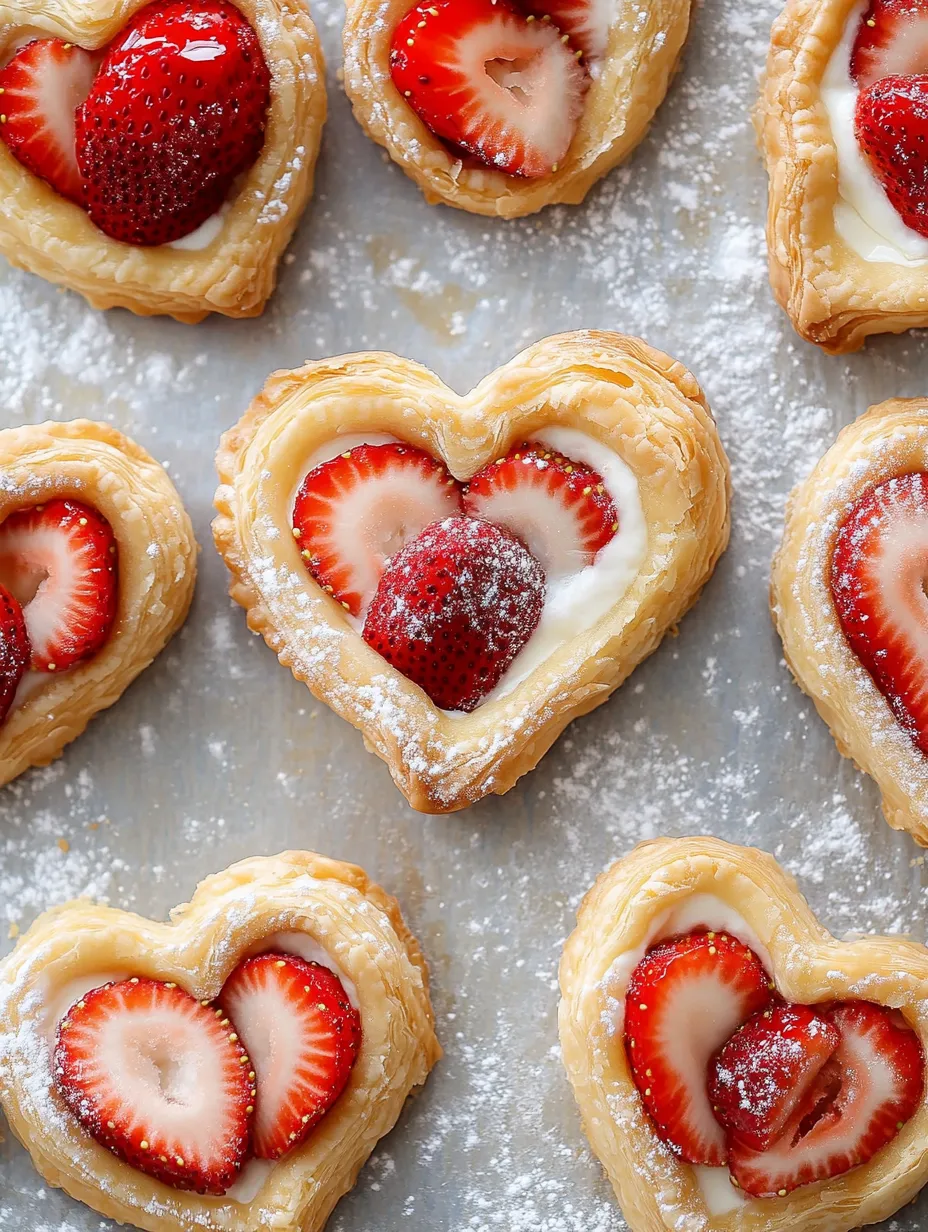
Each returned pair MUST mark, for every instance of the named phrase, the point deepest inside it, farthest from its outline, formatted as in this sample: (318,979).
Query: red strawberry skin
(859,1101)
(878,569)
(684,999)
(61,560)
(578,19)
(40,88)
(891,125)
(892,40)
(760,1075)
(455,607)
(110,1046)
(15,651)
(301,1072)
(177,111)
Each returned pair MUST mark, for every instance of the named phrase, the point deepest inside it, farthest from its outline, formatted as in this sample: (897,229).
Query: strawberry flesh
(684,1000)
(891,125)
(15,651)
(892,40)
(40,89)
(60,561)
(303,1037)
(878,573)
(161,1080)
(455,607)
(584,22)
(759,1077)
(356,511)
(559,508)
(857,1104)
(177,111)
(490,81)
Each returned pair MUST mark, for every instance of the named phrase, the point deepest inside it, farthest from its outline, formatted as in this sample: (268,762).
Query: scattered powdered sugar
(216,753)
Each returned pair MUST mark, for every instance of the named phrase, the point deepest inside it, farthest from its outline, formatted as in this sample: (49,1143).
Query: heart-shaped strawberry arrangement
(233,1068)
(735,1066)
(460,577)
(889,62)
(153,137)
(849,600)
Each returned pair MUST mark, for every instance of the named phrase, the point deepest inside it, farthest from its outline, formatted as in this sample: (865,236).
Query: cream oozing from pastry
(575,601)
(696,911)
(865,218)
(204,235)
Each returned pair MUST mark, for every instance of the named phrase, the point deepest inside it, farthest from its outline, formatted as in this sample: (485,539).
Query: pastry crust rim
(96,463)
(638,68)
(330,890)
(652,1186)
(466,431)
(236,273)
(891,438)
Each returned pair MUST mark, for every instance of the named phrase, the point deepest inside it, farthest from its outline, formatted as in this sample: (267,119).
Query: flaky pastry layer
(657,1192)
(628,85)
(231,914)
(94,463)
(832,295)
(640,403)
(890,439)
(235,274)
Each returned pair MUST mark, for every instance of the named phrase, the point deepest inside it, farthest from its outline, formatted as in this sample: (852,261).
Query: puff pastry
(360,931)
(617,391)
(834,295)
(94,463)
(628,85)
(671,885)
(891,439)
(236,272)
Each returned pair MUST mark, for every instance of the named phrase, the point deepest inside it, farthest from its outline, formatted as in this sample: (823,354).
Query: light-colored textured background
(216,753)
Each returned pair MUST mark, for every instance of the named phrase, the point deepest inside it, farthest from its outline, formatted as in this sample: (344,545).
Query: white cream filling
(576,601)
(59,1000)
(205,234)
(719,1195)
(865,218)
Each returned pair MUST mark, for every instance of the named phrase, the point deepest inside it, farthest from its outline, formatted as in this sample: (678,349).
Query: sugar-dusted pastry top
(230,1070)
(848,599)
(97,570)
(736,1067)
(133,205)
(583,482)
(503,108)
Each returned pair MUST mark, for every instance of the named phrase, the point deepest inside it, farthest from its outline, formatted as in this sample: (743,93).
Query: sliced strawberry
(40,89)
(353,513)
(684,1000)
(891,125)
(15,651)
(759,1077)
(858,1103)
(878,574)
(892,41)
(302,1035)
(159,1079)
(499,85)
(455,607)
(177,111)
(585,22)
(559,508)
(60,562)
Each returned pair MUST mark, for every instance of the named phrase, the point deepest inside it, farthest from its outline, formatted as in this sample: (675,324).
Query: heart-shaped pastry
(848,600)
(841,124)
(130,205)
(501,108)
(707,1016)
(595,495)
(149,1049)
(97,571)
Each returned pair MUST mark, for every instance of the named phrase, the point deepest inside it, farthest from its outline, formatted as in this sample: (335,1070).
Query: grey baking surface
(216,753)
